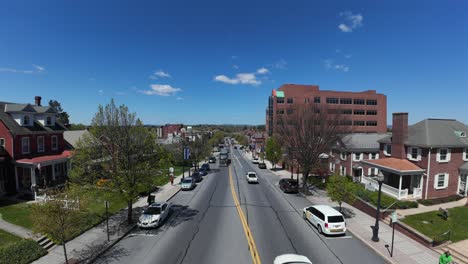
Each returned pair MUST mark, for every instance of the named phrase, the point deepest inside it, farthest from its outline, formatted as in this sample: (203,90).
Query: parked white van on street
(327,220)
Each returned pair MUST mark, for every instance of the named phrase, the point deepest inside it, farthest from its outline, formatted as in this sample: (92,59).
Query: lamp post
(375,228)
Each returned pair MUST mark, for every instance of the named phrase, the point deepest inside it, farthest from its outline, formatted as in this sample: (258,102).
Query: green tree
(121,150)
(77,126)
(340,189)
(63,116)
(273,150)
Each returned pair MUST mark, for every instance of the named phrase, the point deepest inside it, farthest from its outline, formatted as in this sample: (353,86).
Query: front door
(462,186)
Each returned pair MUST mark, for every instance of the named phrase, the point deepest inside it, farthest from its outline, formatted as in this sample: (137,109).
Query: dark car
(197,176)
(203,171)
(289,185)
(206,167)
(262,165)
(212,160)
(235,147)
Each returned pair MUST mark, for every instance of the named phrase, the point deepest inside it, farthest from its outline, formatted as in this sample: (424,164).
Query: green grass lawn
(434,224)
(7,239)
(16,213)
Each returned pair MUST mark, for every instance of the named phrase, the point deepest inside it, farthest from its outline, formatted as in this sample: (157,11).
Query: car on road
(154,215)
(206,166)
(327,220)
(187,184)
(212,160)
(292,259)
(262,165)
(196,176)
(203,171)
(252,177)
(235,147)
(255,160)
(289,185)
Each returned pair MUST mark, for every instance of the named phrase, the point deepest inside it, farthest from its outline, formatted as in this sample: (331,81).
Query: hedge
(24,251)
(385,200)
(448,199)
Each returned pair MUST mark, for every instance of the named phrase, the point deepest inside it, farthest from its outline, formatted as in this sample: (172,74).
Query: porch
(462,180)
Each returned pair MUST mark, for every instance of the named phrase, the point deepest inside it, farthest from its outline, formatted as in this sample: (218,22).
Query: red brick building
(366,111)
(426,160)
(32,147)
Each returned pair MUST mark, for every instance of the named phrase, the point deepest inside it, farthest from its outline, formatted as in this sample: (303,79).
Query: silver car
(154,215)
(187,183)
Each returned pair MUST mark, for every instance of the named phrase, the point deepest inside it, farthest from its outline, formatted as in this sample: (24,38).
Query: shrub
(385,200)
(316,181)
(442,200)
(24,251)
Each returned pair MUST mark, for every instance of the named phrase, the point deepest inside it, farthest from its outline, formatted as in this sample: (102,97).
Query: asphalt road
(204,226)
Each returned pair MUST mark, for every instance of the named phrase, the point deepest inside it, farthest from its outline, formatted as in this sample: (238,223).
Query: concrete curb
(389,260)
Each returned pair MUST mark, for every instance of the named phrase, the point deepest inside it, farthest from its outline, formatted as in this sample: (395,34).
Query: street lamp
(375,228)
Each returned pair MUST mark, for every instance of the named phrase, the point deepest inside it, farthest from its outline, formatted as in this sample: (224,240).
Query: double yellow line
(245,225)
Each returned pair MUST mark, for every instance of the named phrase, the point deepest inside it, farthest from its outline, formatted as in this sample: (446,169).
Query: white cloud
(37,69)
(329,65)
(348,56)
(241,78)
(342,67)
(160,74)
(235,67)
(281,64)
(263,70)
(100,92)
(353,21)
(161,89)
(180,98)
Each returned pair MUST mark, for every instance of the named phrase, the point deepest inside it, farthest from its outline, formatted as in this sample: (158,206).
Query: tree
(308,131)
(199,150)
(217,138)
(59,218)
(340,189)
(77,126)
(273,150)
(63,116)
(120,149)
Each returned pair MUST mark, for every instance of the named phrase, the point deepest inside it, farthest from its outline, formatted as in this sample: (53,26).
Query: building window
(290,100)
(347,111)
(371,102)
(359,101)
(465,154)
(359,112)
(289,111)
(358,156)
(441,181)
(371,112)
(2,145)
(371,123)
(25,145)
(346,101)
(332,167)
(54,142)
(317,100)
(26,120)
(280,100)
(346,122)
(331,100)
(48,121)
(373,171)
(342,170)
(414,154)
(359,123)
(373,156)
(280,111)
(332,111)
(443,155)
(306,100)
(387,149)
(40,144)
(343,155)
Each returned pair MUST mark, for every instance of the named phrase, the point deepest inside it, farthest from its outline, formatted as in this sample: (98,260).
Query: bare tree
(308,131)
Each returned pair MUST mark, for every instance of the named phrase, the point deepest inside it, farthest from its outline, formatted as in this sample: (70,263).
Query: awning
(464,168)
(46,160)
(394,165)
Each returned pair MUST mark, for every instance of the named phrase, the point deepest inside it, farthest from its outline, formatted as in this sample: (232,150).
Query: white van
(327,220)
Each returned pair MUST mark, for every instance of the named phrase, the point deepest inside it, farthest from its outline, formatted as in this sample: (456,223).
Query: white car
(292,258)
(252,177)
(327,220)
(154,215)
(255,160)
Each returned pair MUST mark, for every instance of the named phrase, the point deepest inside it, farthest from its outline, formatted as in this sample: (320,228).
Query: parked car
(196,176)
(327,220)
(212,160)
(289,185)
(255,160)
(262,165)
(252,177)
(206,166)
(292,258)
(202,171)
(235,147)
(154,215)
(188,184)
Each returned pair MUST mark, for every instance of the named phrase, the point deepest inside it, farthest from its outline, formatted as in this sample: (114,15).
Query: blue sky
(217,61)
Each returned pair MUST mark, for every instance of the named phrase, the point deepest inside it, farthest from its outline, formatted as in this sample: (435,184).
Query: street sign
(394,217)
(171,170)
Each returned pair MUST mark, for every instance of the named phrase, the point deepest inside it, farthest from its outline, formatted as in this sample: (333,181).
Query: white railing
(403,194)
(68,204)
(417,192)
(373,185)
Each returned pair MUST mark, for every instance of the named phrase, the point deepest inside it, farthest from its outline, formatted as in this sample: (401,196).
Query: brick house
(33,152)
(350,150)
(426,160)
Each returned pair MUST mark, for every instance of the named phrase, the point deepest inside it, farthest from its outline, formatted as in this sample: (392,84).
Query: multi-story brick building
(32,147)
(426,160)
(366,111)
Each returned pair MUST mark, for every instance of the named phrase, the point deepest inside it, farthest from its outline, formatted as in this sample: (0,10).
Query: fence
(67,203)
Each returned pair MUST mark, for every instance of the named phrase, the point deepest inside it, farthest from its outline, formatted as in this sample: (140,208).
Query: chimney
(399,134)
(37,100)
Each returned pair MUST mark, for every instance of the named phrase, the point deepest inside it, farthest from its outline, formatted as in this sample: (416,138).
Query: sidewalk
(405,249)
(16,230)
(93,242)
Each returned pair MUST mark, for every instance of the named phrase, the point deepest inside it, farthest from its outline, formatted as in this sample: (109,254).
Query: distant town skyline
(216,62)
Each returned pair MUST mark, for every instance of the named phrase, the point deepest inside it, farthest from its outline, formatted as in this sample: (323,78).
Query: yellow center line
(245,225)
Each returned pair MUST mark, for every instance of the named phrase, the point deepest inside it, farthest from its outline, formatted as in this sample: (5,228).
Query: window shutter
(408,153)
(436,180)
(419,154)
(448,154)
(438,155)
(446,178)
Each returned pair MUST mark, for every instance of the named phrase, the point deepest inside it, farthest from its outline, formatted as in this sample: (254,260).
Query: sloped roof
(73,136)
(437,133)
(362,141)
(394,165)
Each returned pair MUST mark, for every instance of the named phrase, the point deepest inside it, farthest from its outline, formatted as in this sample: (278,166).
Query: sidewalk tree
(199,150)
(273,150)
(308,131)
(340,189)
(62,115)
(121,150)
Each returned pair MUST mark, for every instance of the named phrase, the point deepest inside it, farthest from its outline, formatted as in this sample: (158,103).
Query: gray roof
(361,141)
(73,136)
(438,133)
(464,168)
